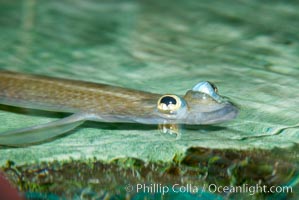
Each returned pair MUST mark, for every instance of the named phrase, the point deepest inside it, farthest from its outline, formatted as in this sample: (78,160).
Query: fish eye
(169,104)
(213,86)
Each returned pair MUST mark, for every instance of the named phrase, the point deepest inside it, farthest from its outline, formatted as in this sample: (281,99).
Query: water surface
(248,49)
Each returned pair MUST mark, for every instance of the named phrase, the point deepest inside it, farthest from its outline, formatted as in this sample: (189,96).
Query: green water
(249,49)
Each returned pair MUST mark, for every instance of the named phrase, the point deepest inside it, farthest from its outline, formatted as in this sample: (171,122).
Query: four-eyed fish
(99,102)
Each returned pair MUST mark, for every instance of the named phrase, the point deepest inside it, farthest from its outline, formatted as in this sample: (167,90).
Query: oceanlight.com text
(211,188)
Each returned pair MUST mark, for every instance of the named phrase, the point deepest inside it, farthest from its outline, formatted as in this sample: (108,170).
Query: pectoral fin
(40,133)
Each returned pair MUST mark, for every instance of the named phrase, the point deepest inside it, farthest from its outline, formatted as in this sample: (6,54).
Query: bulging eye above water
(213,86)
(169,104)
(207,88)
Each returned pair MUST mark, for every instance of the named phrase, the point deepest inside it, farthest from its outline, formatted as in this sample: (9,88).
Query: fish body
(104,102)
(100,102)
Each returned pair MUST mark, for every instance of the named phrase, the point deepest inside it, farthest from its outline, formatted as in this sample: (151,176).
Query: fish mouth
(224,113)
